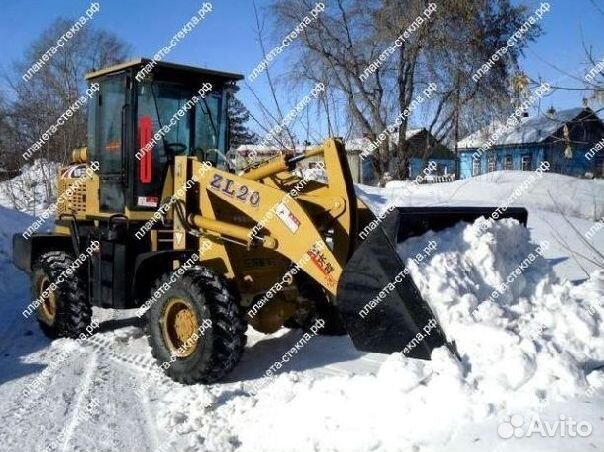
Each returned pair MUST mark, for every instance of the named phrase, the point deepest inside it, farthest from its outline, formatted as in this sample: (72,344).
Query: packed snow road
(531,357)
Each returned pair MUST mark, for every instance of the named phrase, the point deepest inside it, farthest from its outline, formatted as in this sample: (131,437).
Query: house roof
(438,151)
(360,144)
(533,130)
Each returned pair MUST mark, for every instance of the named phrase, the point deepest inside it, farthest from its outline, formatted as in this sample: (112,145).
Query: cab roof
(165,67)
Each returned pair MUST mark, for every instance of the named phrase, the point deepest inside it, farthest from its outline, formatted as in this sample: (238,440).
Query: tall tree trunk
(405,81)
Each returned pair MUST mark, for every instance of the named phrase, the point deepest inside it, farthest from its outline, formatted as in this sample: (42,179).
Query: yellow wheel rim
(179,327)
(48,305)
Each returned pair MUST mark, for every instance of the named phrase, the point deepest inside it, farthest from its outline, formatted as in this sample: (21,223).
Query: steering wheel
(175,148)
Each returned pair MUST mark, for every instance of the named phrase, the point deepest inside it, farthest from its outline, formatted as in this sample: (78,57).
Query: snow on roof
(533,130)
(410,134)
(478,138)
(360,144)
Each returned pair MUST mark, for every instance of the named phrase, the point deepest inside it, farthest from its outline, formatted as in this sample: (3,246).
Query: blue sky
(227,38)
(566,26)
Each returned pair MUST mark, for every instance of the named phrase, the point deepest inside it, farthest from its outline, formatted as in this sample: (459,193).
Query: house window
(475,167)
(599,167)
(491,164)
(526,163)
(508,163)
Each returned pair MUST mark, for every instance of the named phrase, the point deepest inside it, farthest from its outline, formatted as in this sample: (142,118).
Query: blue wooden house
(423,148)
(572,141)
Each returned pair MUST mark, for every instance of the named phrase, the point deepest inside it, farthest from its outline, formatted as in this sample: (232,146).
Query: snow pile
(33,190)
(538,342)
(12,281)
(524,336)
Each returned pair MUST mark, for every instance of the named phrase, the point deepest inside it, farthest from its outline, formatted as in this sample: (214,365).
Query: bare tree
(271,117)
(594,79)
(50,91)
(445,48)
(7,165)
(40,100)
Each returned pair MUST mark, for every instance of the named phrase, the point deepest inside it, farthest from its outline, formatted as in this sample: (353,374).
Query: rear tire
(188,348)
(64,312)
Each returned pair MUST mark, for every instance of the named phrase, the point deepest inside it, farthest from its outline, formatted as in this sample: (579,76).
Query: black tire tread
(74,314)
(228,337)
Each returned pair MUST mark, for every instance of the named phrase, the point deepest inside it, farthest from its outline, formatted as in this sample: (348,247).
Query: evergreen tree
(240,132)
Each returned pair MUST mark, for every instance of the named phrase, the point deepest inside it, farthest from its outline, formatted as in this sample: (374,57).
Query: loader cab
(145,113)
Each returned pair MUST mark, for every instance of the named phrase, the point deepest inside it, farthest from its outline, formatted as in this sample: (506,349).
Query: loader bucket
(381,307)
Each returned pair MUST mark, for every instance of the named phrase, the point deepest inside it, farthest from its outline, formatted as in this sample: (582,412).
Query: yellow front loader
(152,216)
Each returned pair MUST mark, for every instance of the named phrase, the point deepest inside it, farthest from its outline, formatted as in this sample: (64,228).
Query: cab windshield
(187,127)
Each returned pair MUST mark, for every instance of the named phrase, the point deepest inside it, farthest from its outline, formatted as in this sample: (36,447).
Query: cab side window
(111,101)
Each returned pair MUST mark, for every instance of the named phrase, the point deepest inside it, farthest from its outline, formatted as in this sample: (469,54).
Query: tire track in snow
(36,414)
(149,421)
(134,362)
(84,390)
(135,427)
(14,419)
(103,436)
(123,424)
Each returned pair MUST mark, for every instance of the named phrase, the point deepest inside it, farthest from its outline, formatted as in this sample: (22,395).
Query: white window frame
(526,160)
(510,159)
(475,167)
(491,164)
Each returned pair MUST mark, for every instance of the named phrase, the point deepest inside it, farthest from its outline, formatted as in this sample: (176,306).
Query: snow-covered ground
(537,350)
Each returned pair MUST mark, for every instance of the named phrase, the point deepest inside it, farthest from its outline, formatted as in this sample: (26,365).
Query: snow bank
(537,342)
(534,341)
(574,197)
(11,280)
(33,190)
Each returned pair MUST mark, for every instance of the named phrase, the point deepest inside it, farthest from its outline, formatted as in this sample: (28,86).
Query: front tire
(196,328)
(322,308)
(64,311)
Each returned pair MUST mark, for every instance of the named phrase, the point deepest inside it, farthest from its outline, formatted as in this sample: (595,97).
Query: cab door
(153,112)
(112,112)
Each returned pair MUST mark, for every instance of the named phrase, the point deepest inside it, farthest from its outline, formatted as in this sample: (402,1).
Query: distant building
(572,141)
(423,148)
(245,155)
